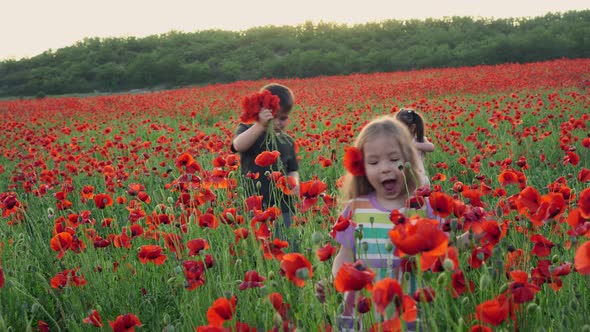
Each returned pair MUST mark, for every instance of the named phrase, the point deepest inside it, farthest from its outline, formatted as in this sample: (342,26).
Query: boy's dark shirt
(286,146)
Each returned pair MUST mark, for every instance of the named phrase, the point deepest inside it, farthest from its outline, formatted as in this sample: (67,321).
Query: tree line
(178,59)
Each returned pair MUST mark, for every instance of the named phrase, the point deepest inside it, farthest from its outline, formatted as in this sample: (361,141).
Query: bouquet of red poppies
(251,105)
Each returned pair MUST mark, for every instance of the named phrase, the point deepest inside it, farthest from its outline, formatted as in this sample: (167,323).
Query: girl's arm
(425,146)
(344,256)
(295,175)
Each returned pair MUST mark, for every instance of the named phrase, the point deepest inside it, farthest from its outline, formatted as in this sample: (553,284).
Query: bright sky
(30,27)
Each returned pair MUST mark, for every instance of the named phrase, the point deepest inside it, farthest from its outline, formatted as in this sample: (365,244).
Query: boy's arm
(425,146)
(243,142)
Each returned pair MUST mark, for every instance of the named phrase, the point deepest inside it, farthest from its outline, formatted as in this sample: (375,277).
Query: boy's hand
(264,117)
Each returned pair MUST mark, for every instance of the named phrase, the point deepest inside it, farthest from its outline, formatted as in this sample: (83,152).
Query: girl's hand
(264,117)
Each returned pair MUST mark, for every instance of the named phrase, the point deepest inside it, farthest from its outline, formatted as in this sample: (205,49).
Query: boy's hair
(284,93)
(410,117)
(355,186)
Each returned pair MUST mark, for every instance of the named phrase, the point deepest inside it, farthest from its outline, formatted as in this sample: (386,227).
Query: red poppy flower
(522,291)
(287,184)
(353,277)
(310,191)
(87,192)
(254,203)
(390,325)
(584,203)
(93,318)
(252,280)
(494,311)
(386,291)
(508,177)
(67,278)
(459,284)
(125,323)
(208,220)
(61,242)
(582,259)
(419,235)
(42,326)
(211,328)
(276,299)
(267,158)
(102,200)
(442,204)
(425,295)
(152,253)
(353,161)
(196,245)
(542,245)
(293,265)
(187,164)
(480,328)
(252,105)
(222,310)
(326,252)
(364,304)
(584,175)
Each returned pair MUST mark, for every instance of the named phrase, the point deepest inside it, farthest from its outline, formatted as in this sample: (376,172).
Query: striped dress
(372,225)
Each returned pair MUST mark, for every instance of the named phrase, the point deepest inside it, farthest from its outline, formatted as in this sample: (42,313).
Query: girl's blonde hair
(355,186)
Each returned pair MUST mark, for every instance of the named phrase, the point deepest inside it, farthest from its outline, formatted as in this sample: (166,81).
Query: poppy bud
(480,256)
(358,233)
(372,220)
(50,212)
(389,246)
(258,185)
(586,328)
(554,259)
(465,301)
(271,275)
(166,319)
(316,238)
(448,264)
(191,219)
(178,269)
(169,211)
(484,281)
(238,262)
(365,246)
(460,324)
(531,308)
(441,280)
(302,273)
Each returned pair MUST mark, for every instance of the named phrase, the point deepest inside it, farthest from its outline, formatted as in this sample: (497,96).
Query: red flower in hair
(251,105)
(353,161)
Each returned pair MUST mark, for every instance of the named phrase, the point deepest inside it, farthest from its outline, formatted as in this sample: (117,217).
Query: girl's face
(383,165)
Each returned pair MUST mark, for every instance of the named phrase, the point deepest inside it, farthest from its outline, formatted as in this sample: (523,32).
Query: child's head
(413,120)
(390,160)
(287,98)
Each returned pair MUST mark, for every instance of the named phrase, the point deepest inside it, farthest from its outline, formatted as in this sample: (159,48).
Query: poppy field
(125,212)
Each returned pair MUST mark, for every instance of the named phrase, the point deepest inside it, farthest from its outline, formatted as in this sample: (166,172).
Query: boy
(250,140)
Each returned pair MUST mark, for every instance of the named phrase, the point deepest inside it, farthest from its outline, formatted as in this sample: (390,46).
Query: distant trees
(176,58)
